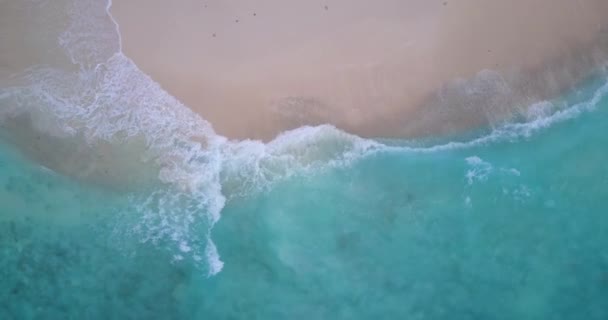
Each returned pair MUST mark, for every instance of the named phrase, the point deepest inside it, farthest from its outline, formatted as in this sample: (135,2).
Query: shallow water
(514,228)
(506,222)
(511,230)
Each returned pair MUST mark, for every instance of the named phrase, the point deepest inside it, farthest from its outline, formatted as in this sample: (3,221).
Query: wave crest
(108,99)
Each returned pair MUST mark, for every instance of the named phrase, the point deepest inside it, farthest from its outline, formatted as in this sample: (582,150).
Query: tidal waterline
(513,227)
(111,193)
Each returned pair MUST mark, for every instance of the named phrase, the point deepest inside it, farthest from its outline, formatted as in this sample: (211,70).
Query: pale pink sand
(255,68)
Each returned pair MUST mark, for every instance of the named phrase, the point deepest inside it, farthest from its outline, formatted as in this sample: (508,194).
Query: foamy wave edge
(109,98)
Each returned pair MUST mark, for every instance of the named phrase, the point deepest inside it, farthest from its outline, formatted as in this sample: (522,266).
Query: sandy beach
(391,68)
(254,69)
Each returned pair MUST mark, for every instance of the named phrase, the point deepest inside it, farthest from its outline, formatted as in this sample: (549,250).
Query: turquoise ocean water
(508,222)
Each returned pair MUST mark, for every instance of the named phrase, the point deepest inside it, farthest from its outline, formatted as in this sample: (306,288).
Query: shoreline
(375,71)
(339,90)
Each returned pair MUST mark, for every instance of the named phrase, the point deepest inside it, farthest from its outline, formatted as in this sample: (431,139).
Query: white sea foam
(539,118)
(213,258)
(253,165)
(479,170)
(110,99)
